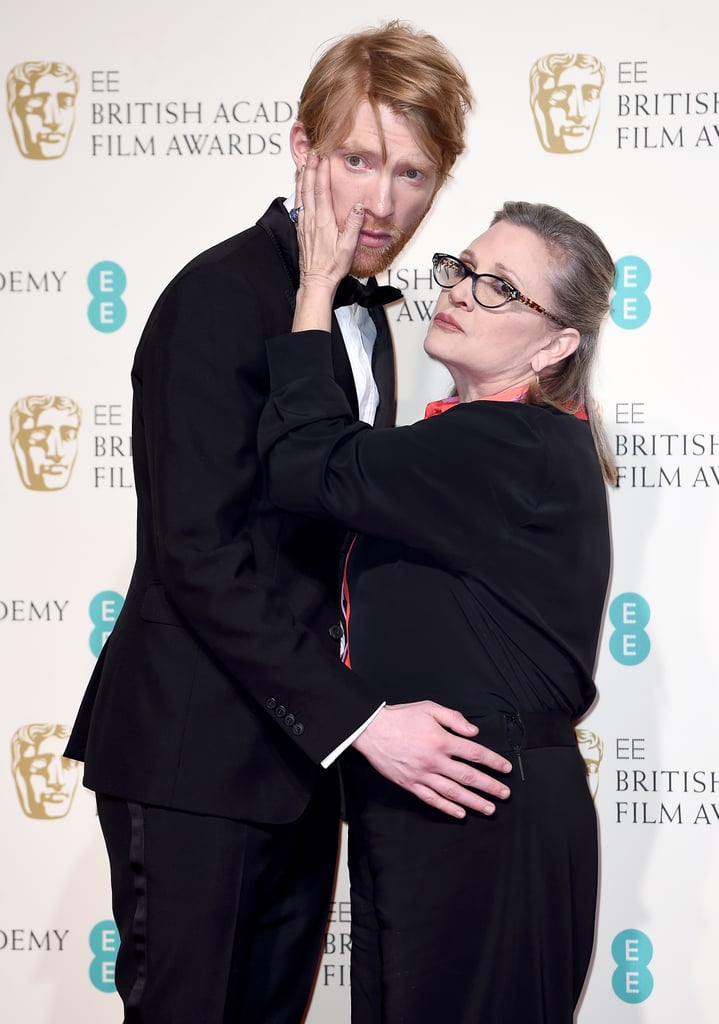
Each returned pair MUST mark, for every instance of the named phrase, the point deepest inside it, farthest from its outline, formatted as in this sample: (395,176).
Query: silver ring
(294,213)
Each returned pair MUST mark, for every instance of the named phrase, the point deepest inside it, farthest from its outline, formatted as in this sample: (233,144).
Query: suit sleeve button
(270,703)
(280,711)
(289,720)
(336,632)
(298,729)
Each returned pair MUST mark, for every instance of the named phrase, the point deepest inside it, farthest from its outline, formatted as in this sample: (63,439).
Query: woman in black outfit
(477,579)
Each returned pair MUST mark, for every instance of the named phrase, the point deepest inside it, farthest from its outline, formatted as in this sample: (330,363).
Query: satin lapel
(276,222)
(384,370)
(343,368)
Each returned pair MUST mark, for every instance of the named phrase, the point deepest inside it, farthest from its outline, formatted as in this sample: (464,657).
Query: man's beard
(369,262)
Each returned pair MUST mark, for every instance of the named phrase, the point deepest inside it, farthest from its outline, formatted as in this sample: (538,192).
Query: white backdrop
(180,139)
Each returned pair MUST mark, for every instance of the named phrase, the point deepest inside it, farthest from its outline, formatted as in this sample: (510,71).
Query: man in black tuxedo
(219,704)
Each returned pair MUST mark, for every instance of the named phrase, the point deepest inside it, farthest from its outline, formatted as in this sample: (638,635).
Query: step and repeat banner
(136,135)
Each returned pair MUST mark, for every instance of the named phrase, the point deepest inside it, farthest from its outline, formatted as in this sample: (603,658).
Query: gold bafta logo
(45,780)
(41,103)
(592,750)
(43,435)
(564,94)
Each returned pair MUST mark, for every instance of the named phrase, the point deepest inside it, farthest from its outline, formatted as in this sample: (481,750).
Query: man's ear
(557,349)
(299,143)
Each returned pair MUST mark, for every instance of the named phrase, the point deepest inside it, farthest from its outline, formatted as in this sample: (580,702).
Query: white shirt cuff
(334,754)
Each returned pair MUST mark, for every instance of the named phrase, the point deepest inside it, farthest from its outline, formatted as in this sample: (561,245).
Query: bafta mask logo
(592,750)
(564,95)
(43,435)
(45,780)
(41,104)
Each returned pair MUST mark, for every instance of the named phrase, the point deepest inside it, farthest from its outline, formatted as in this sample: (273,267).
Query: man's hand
(417,747)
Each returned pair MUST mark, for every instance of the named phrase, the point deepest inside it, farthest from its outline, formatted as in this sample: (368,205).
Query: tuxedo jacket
(220,688)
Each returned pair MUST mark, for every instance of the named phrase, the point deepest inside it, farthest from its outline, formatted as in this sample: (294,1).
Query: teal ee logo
(631,307)
(107,312)
(632,981)
(104,609)
(629,644)
(104,942)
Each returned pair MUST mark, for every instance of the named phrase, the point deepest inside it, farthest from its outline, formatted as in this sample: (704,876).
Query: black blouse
(480,573)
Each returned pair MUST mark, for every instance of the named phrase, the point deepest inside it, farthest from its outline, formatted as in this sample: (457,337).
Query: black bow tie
(351,290)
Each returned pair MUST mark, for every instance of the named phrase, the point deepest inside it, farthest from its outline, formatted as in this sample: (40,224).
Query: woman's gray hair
(581,277)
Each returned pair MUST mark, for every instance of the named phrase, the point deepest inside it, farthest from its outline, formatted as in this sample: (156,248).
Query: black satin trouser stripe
(139,928)
(220,921)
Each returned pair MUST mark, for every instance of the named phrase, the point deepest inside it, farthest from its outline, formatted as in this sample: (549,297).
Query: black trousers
(220,921)
(480,920)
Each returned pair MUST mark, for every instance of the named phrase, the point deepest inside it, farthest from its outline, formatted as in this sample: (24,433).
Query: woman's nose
(461,294)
